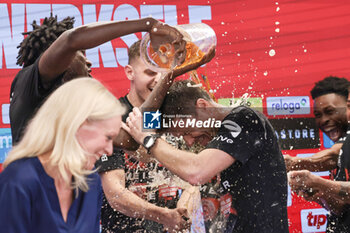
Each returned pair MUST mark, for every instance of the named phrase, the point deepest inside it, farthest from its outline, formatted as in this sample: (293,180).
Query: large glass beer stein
(199,37)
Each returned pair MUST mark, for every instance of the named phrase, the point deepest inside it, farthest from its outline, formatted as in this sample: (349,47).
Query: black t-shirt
(26,96)
(255,185)
(341,223)
(140,179)
(333,172)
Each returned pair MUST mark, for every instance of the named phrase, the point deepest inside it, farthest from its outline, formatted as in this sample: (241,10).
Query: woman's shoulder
(21,172)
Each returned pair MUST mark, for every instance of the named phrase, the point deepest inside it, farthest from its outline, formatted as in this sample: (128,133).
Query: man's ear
(202,103)
(129,72)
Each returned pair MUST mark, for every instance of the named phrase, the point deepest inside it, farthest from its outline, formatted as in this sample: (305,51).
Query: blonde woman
(49,183)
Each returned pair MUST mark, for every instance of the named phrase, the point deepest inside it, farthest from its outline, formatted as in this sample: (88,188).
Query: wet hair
(330,85)
(42,36)
(134,51)
(182,97)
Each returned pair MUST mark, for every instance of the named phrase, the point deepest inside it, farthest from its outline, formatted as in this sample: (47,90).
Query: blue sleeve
(15,208)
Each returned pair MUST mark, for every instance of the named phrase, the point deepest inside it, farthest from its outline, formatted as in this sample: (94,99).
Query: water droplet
(272,52)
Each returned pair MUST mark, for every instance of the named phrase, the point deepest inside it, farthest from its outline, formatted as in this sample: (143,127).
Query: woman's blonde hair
(55,125)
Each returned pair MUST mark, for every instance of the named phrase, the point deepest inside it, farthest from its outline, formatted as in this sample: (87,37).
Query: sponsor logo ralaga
(288,105)
(313,220)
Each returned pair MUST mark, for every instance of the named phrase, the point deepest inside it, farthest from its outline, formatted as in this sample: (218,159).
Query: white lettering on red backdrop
(12,25)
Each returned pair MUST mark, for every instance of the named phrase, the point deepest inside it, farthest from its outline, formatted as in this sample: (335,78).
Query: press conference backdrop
(271,52)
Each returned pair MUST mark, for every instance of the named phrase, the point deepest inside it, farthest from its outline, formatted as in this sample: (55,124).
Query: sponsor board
(5,143)
(288,105)
(296,133)
(289,197)
(254,102)
(313,220)
(5,109)
(112,56)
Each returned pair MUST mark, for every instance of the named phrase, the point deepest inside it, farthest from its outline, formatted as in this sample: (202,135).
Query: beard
(69,75)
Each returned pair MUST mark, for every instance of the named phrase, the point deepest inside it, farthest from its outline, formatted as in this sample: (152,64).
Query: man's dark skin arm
(324,160)
(91,35)
(333,195)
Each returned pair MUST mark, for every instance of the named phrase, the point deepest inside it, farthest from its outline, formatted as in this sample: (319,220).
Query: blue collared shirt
(29,202)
